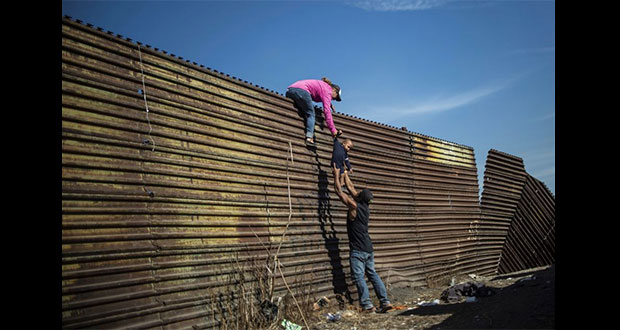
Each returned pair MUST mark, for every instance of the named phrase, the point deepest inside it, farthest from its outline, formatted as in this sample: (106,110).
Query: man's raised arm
(344,198)
(349,185)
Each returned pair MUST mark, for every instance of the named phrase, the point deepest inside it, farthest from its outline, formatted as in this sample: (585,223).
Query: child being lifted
(340,158)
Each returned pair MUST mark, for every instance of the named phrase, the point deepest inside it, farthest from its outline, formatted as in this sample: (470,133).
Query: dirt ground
(522,300)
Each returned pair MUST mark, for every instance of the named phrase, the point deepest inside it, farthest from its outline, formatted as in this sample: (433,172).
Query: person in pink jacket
(303,92)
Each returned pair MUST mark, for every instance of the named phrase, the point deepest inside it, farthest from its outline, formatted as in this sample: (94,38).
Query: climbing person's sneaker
(310,142)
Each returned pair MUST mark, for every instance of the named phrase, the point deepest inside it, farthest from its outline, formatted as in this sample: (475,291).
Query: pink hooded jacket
(320,91)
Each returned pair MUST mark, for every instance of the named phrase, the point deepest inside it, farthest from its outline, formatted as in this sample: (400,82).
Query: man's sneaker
(385,308)
(369,310)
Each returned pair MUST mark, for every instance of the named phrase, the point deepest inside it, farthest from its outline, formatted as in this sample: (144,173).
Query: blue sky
(478,73)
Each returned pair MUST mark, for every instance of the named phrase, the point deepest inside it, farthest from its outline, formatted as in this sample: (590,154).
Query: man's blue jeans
(364,262)
(303,101)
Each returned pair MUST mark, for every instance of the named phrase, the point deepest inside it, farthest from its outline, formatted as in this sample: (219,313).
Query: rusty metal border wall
(531,239)
(517,230)
(504,178)
(164,184)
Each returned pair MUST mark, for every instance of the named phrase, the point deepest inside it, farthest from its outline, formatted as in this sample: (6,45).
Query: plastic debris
(269,310)
(529,278)
(334,317)
(288,325)
(470,299)
(348,313)
(320,303)
(426,303)
(471,289)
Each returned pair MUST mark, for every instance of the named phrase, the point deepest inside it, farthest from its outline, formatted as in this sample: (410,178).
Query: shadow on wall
(332,242)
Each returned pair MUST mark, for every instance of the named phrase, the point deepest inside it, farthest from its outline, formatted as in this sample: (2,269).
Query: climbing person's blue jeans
(303,101)
(364,262)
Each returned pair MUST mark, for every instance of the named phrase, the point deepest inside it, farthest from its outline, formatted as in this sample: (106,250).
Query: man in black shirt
(361,252)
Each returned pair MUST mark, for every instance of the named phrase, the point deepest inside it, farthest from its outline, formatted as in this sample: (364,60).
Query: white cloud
(443,103)
(438,103)
(397,5)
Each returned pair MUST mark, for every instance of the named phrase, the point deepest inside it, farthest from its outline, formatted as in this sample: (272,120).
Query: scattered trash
(529,278)
(472,276)
(471,289)
(320,303)
(348,313)
(288,325)
(334,317)
(470,299)
(269,310)
(432,303)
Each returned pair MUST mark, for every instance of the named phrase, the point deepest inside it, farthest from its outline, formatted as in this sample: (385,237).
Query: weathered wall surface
(517,230)
(156,204)
(504,177)
(531,239)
